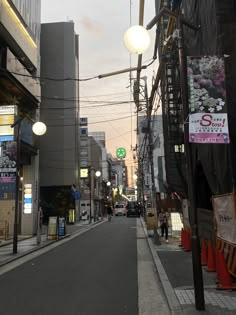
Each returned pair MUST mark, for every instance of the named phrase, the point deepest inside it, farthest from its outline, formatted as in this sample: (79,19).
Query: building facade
(144,163)
(20,64)
(59,149)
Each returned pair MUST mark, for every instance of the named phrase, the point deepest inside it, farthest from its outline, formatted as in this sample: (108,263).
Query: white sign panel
(224,207)
(8,109)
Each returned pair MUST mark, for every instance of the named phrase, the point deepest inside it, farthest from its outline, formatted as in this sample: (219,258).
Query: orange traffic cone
(211,262)
(203,253)
(224,277)
(188,242)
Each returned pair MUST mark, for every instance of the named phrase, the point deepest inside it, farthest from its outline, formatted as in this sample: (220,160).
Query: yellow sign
(52,228)
(83,172)
(6,130)
(151,218)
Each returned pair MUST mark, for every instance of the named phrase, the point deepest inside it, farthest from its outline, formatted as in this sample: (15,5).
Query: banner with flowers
(208,121)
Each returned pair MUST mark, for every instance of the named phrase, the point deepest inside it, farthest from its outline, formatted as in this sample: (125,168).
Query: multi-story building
(59,158)
(100,138)
(208,179)
(20,66)
(144,163)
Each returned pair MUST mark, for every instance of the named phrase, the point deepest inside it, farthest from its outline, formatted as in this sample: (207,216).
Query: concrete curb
(171,297)
(38,247)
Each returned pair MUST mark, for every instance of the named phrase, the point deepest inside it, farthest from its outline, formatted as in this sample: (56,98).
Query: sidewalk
(28,244)
(174,267)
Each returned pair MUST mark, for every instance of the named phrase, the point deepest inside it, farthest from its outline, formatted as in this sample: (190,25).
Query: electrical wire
(61,79)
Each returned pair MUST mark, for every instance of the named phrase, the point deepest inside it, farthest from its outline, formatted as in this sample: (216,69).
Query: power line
(100,76)
(92,123)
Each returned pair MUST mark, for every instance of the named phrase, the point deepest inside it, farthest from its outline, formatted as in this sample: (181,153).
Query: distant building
(144,170)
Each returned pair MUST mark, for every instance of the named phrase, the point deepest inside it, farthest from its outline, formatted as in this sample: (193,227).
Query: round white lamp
(137,39)
(39,128)
(98,174)
(108,183)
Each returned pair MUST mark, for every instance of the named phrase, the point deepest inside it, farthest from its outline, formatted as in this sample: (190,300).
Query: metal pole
(91,194)
(15,232)
(196,254)
(39,226)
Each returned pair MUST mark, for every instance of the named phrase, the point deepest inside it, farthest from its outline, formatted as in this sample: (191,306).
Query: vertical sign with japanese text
(208,121)
(7,170)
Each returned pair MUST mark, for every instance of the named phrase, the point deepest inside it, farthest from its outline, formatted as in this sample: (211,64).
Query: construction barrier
(223,276)
(229,251)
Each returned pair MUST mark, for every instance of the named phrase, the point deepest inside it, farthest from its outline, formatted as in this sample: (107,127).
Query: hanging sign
(208,121)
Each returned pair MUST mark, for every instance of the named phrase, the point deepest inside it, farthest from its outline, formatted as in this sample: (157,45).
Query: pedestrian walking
(109,213)
(163,219)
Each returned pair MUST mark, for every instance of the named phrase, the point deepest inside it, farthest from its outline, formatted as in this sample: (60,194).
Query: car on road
(133,209)
(119,209)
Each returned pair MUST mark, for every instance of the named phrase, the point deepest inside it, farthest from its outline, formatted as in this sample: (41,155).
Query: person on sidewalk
(109,212)
(163,219)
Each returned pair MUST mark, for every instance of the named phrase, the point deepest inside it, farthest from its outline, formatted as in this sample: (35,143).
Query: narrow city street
(95,273)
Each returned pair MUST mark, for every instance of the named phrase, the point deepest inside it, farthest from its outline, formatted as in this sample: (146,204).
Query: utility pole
(196,251)
(150,143)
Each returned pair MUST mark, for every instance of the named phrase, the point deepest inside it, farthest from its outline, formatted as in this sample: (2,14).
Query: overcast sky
(101,25)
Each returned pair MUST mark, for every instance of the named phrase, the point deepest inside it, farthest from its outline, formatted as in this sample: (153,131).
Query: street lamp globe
(39,128)
(98,174)
(137,39)
(108,184)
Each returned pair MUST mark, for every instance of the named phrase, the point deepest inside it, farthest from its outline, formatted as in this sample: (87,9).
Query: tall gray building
(59,149)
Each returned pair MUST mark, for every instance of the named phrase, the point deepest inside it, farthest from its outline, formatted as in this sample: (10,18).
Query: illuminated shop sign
(7,118)
(8,110)
(28,198)
(84,172)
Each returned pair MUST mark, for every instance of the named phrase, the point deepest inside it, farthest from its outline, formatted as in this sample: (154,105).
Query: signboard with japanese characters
(225,217)
(7,170)
(208,121)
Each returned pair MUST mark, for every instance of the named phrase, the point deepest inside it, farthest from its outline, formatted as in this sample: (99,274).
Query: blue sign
(6,138)
(61,227)
(27,200)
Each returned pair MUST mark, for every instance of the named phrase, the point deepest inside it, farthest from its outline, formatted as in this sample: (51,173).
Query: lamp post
(39,129)
(108,186)
(97,174)
(196,255)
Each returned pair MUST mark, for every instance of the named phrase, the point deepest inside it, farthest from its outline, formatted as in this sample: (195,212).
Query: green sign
(121,153)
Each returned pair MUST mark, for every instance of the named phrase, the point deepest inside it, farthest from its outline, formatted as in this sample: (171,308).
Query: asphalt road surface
(92,274)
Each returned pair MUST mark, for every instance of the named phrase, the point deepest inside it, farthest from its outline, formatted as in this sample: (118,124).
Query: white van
(119,209)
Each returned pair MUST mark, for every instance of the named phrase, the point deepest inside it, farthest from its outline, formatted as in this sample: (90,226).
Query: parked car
(133,209)
(119,209)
